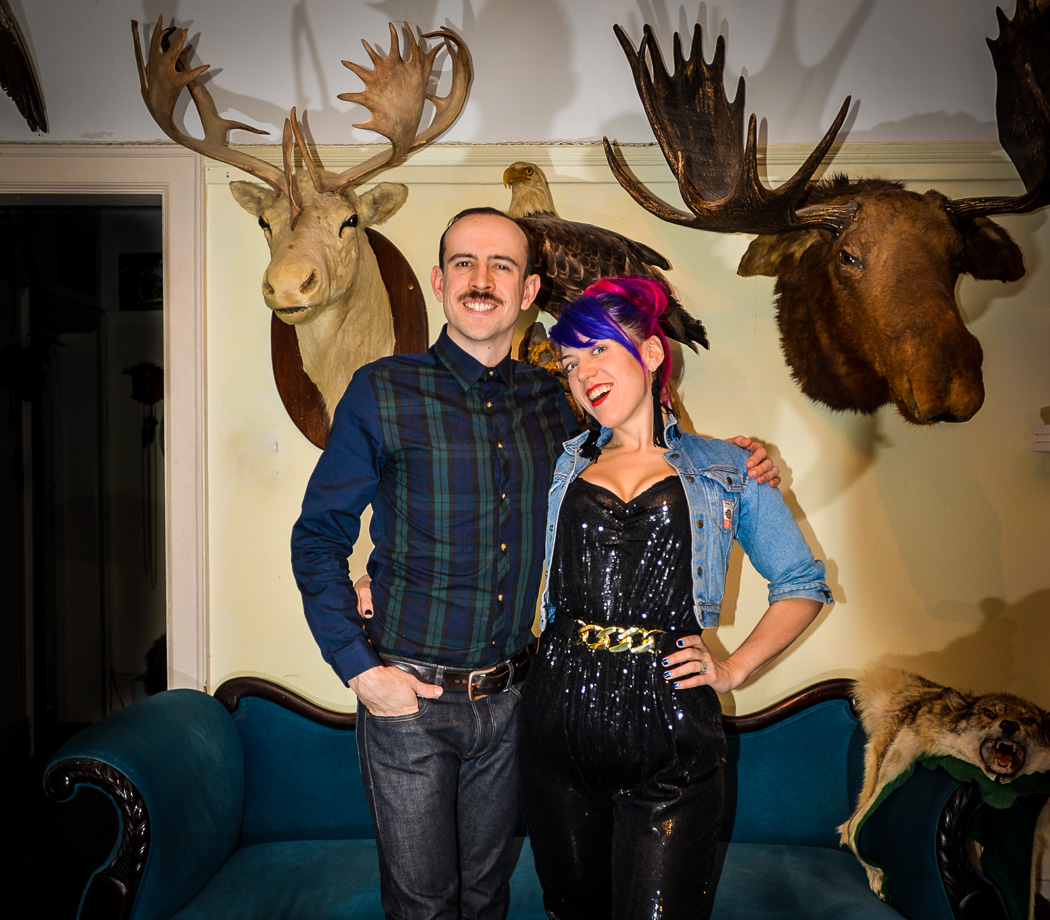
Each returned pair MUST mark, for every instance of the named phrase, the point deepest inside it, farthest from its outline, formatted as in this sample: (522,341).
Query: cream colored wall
(935,538)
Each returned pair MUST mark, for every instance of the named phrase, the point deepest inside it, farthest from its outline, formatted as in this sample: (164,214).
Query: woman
(622,748)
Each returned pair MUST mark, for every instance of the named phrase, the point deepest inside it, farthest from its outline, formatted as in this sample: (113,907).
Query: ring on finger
(703,669)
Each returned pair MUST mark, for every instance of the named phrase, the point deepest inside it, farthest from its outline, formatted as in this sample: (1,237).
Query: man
(454,451)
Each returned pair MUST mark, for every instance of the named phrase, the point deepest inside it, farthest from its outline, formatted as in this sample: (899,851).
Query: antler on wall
(323,277)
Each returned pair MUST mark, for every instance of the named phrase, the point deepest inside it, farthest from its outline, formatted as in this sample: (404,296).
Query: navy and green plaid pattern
(456,460)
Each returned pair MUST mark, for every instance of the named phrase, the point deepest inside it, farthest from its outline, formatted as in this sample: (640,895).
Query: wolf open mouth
(1002,758)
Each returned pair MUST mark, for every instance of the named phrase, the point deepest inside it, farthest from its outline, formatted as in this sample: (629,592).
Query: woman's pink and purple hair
(626,310)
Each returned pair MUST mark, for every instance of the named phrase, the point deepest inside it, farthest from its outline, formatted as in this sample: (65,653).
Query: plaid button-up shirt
(455,459)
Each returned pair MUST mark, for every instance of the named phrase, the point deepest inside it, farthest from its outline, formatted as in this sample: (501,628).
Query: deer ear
(255,199)
(774,253)
(991,255)
(381,202)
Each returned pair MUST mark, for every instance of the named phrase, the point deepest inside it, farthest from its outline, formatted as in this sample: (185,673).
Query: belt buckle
(482,672)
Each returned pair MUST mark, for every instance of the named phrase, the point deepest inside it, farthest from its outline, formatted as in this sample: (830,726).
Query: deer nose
(1009,727)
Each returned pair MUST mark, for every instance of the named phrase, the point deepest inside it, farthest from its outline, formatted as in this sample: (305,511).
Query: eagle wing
(570,256)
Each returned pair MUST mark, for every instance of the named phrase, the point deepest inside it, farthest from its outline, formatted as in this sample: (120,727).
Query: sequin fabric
(622,774)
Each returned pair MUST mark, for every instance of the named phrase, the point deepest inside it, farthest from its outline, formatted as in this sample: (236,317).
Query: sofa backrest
(301,777)
(793,771)
(795,779)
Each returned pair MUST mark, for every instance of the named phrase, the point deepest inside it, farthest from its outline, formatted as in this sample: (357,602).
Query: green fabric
(1004,825)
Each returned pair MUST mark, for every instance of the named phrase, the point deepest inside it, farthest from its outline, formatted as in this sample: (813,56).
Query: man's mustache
(480,295)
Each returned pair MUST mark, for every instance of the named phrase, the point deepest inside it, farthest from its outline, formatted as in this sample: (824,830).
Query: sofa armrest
(919,836)
(173,768)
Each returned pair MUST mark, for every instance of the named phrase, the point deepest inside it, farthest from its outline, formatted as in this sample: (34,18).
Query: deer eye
(848,259)
(265,224)
(351,221)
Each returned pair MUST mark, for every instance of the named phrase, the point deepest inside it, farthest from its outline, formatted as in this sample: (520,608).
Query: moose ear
(991,255)
(380,202)
(774,253)
(255,199)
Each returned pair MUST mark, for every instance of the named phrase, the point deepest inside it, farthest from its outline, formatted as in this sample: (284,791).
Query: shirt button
(503,546)
(674,456)
(700,523)
(499,597)
(503,496)
(488,405)
(690,478)
(499,444)
(700,570)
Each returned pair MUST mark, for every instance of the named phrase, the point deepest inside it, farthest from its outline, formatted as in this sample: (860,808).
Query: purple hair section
(613,308)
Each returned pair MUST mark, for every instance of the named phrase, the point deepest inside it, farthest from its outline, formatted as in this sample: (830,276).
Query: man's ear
(437,282)
(532,288)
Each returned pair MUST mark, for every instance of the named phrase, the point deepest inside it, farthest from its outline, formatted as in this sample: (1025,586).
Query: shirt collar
(466,368)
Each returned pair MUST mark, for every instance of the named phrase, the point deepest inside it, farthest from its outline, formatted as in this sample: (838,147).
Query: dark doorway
(81,474)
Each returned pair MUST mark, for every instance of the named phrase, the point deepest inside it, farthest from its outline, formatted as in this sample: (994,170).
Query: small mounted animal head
(314,222)
(865,270)
(1006,735)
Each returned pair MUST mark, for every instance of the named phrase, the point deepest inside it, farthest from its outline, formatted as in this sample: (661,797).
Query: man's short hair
(530,250)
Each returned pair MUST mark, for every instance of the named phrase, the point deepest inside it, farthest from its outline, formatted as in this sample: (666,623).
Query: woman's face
(608,381)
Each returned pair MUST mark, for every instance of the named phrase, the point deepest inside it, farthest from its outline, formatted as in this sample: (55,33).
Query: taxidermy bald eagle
(570,255)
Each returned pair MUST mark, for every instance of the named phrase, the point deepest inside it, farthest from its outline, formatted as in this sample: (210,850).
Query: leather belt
(478,683)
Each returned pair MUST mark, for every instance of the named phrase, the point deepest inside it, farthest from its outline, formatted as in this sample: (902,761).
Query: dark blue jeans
(442,784)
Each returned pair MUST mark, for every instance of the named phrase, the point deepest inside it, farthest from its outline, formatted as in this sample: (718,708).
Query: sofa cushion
(339,880)
(321,880)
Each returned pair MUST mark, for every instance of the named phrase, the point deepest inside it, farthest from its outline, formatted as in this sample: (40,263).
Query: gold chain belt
(631,639)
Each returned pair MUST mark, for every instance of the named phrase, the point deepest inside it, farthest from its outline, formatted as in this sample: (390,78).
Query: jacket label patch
(727,514)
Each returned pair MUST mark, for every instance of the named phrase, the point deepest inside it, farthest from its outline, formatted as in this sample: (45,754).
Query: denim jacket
(724,505)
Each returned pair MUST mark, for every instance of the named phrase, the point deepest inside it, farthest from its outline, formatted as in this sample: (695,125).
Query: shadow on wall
(1012,640)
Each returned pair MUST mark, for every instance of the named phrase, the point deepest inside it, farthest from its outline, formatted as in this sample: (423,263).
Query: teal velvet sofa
(249,804)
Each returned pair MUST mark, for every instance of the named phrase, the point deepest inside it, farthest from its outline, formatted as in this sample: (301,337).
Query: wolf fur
(905,716)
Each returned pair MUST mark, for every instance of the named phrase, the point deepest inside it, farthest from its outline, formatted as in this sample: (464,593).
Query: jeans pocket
(422,705)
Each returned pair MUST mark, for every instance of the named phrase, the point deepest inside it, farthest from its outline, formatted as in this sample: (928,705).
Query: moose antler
(700,132)
(1021,55)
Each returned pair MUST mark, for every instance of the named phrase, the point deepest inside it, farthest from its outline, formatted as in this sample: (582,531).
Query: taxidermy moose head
(323,276)
(866,270)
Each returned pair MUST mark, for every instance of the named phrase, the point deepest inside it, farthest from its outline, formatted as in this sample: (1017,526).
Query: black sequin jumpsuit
(622,773)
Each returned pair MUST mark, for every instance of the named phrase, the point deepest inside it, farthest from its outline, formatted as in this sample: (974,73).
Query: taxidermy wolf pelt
(906,716)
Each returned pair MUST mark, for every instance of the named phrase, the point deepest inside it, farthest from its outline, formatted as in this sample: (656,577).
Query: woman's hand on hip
(695,665)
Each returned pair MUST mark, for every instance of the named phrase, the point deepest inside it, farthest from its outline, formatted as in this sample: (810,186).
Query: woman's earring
(658,416)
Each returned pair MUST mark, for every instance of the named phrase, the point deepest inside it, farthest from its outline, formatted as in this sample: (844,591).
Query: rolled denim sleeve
(775,545)
(342,485)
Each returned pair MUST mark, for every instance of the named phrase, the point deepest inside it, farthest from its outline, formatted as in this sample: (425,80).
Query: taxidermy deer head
(865,270)
(323,277)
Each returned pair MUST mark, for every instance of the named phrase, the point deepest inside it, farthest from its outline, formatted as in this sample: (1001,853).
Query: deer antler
(395,90)
(700,132)
(163,76)
(1021,55)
